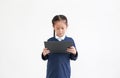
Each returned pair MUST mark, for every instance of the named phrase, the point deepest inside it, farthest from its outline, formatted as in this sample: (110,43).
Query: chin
(61,35)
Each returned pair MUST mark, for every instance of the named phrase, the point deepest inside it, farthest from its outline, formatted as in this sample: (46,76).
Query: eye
(58,28)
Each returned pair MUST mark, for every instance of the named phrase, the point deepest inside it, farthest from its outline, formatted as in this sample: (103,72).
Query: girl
(58,65)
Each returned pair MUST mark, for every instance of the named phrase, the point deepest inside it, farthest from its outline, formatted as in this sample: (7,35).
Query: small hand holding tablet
(46,51)
(71,50)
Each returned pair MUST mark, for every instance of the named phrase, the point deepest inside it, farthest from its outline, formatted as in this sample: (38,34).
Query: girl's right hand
(46,51)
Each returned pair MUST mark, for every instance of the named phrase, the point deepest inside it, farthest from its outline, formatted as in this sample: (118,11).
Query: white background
(93,24)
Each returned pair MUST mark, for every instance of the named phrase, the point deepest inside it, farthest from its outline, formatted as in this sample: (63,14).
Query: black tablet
(58,46)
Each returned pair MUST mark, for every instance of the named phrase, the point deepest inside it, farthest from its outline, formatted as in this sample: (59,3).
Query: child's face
(60,28)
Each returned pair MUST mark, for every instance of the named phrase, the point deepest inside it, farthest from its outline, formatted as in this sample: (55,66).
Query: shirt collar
(60,38)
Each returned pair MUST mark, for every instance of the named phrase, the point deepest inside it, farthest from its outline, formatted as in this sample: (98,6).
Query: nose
(60,30)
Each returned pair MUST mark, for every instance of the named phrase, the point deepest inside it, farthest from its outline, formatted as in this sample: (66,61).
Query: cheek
(64,29)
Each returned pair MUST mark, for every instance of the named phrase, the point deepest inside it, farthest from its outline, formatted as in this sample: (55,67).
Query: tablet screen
(58,46)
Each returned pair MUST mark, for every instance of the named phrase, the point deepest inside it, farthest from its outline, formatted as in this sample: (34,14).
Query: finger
(47,52)
(72,47)
(69,50)
(44,49)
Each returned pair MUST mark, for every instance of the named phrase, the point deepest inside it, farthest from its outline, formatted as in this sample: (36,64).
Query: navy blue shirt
(58,65)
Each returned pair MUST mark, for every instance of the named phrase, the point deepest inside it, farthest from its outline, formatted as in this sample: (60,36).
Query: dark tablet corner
(58,46)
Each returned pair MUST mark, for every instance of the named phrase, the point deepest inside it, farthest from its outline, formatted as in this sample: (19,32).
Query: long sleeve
(45,57)
(74,57)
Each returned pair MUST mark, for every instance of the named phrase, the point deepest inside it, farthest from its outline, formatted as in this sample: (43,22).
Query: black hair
(59,18)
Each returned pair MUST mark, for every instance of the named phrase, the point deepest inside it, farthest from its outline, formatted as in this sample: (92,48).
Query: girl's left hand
(72,50)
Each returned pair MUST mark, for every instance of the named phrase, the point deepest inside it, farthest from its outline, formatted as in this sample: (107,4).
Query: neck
(57,37)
